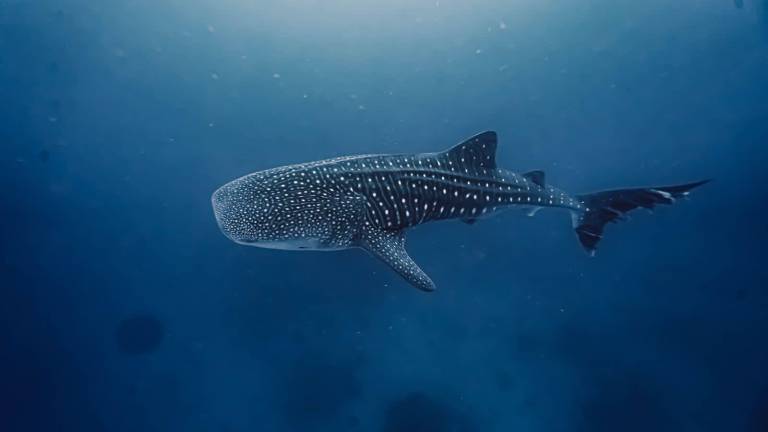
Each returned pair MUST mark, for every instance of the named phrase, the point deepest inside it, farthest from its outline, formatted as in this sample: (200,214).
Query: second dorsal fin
(537,177)
(478,151)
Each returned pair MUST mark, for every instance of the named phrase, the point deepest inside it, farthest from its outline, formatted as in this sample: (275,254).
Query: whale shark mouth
(218,210)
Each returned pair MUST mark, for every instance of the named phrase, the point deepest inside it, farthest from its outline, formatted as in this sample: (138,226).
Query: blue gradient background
(118,119)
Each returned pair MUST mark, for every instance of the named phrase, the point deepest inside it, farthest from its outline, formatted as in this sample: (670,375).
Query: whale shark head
(283,210)
(244,210)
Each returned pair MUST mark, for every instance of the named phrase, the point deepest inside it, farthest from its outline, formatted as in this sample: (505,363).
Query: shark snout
(220,204)
(237,213)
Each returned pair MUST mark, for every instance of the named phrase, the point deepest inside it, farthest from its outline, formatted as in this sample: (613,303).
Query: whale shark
(371,201)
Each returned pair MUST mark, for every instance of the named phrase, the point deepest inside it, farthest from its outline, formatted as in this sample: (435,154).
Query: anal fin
(389,246)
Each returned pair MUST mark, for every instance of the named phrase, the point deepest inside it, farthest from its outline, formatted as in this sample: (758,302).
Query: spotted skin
(370,201)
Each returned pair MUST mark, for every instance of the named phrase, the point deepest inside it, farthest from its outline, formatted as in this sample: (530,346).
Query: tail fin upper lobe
(610,206)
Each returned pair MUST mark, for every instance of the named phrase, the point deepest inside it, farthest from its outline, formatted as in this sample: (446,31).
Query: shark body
(371,201)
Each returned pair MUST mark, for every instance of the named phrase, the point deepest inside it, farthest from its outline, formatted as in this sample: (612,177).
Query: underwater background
(123,308)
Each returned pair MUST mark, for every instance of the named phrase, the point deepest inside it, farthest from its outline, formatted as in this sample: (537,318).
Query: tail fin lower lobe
(611,206)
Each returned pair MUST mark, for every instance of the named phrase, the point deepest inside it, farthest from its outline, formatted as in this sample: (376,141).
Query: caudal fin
(611,206)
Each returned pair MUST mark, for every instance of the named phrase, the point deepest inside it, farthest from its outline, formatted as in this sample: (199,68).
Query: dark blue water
(123,308)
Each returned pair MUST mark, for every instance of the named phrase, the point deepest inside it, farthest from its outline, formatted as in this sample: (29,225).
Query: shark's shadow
(758,421)
(318,392)
(420,412)
(626,402)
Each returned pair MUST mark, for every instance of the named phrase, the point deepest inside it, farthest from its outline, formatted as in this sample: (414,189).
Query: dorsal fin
(478,151)
(536,176)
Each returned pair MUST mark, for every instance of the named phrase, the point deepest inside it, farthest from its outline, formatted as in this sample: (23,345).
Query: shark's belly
(302,244)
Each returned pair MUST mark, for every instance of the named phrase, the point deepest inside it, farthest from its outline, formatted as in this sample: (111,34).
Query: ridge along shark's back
(370,201)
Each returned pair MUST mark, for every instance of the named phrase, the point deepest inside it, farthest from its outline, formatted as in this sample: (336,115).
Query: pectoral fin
(389,246)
